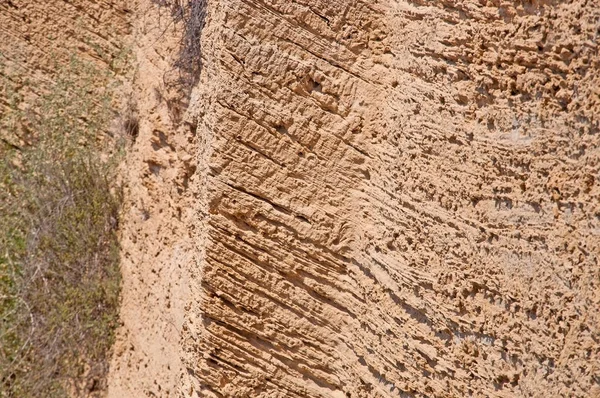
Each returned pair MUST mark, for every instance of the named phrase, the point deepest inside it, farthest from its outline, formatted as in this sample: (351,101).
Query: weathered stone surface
(386,198)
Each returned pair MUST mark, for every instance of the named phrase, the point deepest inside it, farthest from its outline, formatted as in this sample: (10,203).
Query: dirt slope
(368,199)
(40,41)
(63,72)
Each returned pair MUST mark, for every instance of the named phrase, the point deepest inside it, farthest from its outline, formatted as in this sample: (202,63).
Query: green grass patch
(59,251)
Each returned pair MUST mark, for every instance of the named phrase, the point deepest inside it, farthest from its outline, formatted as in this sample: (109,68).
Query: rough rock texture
(156,243)
(380,199)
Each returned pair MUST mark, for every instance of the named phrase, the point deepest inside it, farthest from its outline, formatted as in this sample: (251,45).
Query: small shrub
(59,258)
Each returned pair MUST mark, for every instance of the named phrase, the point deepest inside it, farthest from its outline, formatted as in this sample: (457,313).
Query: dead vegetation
(190,15)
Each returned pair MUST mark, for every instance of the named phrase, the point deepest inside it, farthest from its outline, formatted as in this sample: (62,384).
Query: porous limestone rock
(389,198)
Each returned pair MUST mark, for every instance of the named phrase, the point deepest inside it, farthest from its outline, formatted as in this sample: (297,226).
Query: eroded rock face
(391,198)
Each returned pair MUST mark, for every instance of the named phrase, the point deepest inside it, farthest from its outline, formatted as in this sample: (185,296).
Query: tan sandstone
(388,198)
(376,199)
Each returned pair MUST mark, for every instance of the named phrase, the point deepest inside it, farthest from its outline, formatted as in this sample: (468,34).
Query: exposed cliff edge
(368,199)
(390,198)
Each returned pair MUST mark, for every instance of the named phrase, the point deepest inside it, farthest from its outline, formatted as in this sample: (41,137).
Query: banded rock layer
(391,199)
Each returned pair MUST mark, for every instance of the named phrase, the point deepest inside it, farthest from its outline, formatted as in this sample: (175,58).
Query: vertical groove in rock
(158,249)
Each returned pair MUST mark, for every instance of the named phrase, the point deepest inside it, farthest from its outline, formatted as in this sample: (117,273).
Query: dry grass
(59,253)
(186,70)
(191,13)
